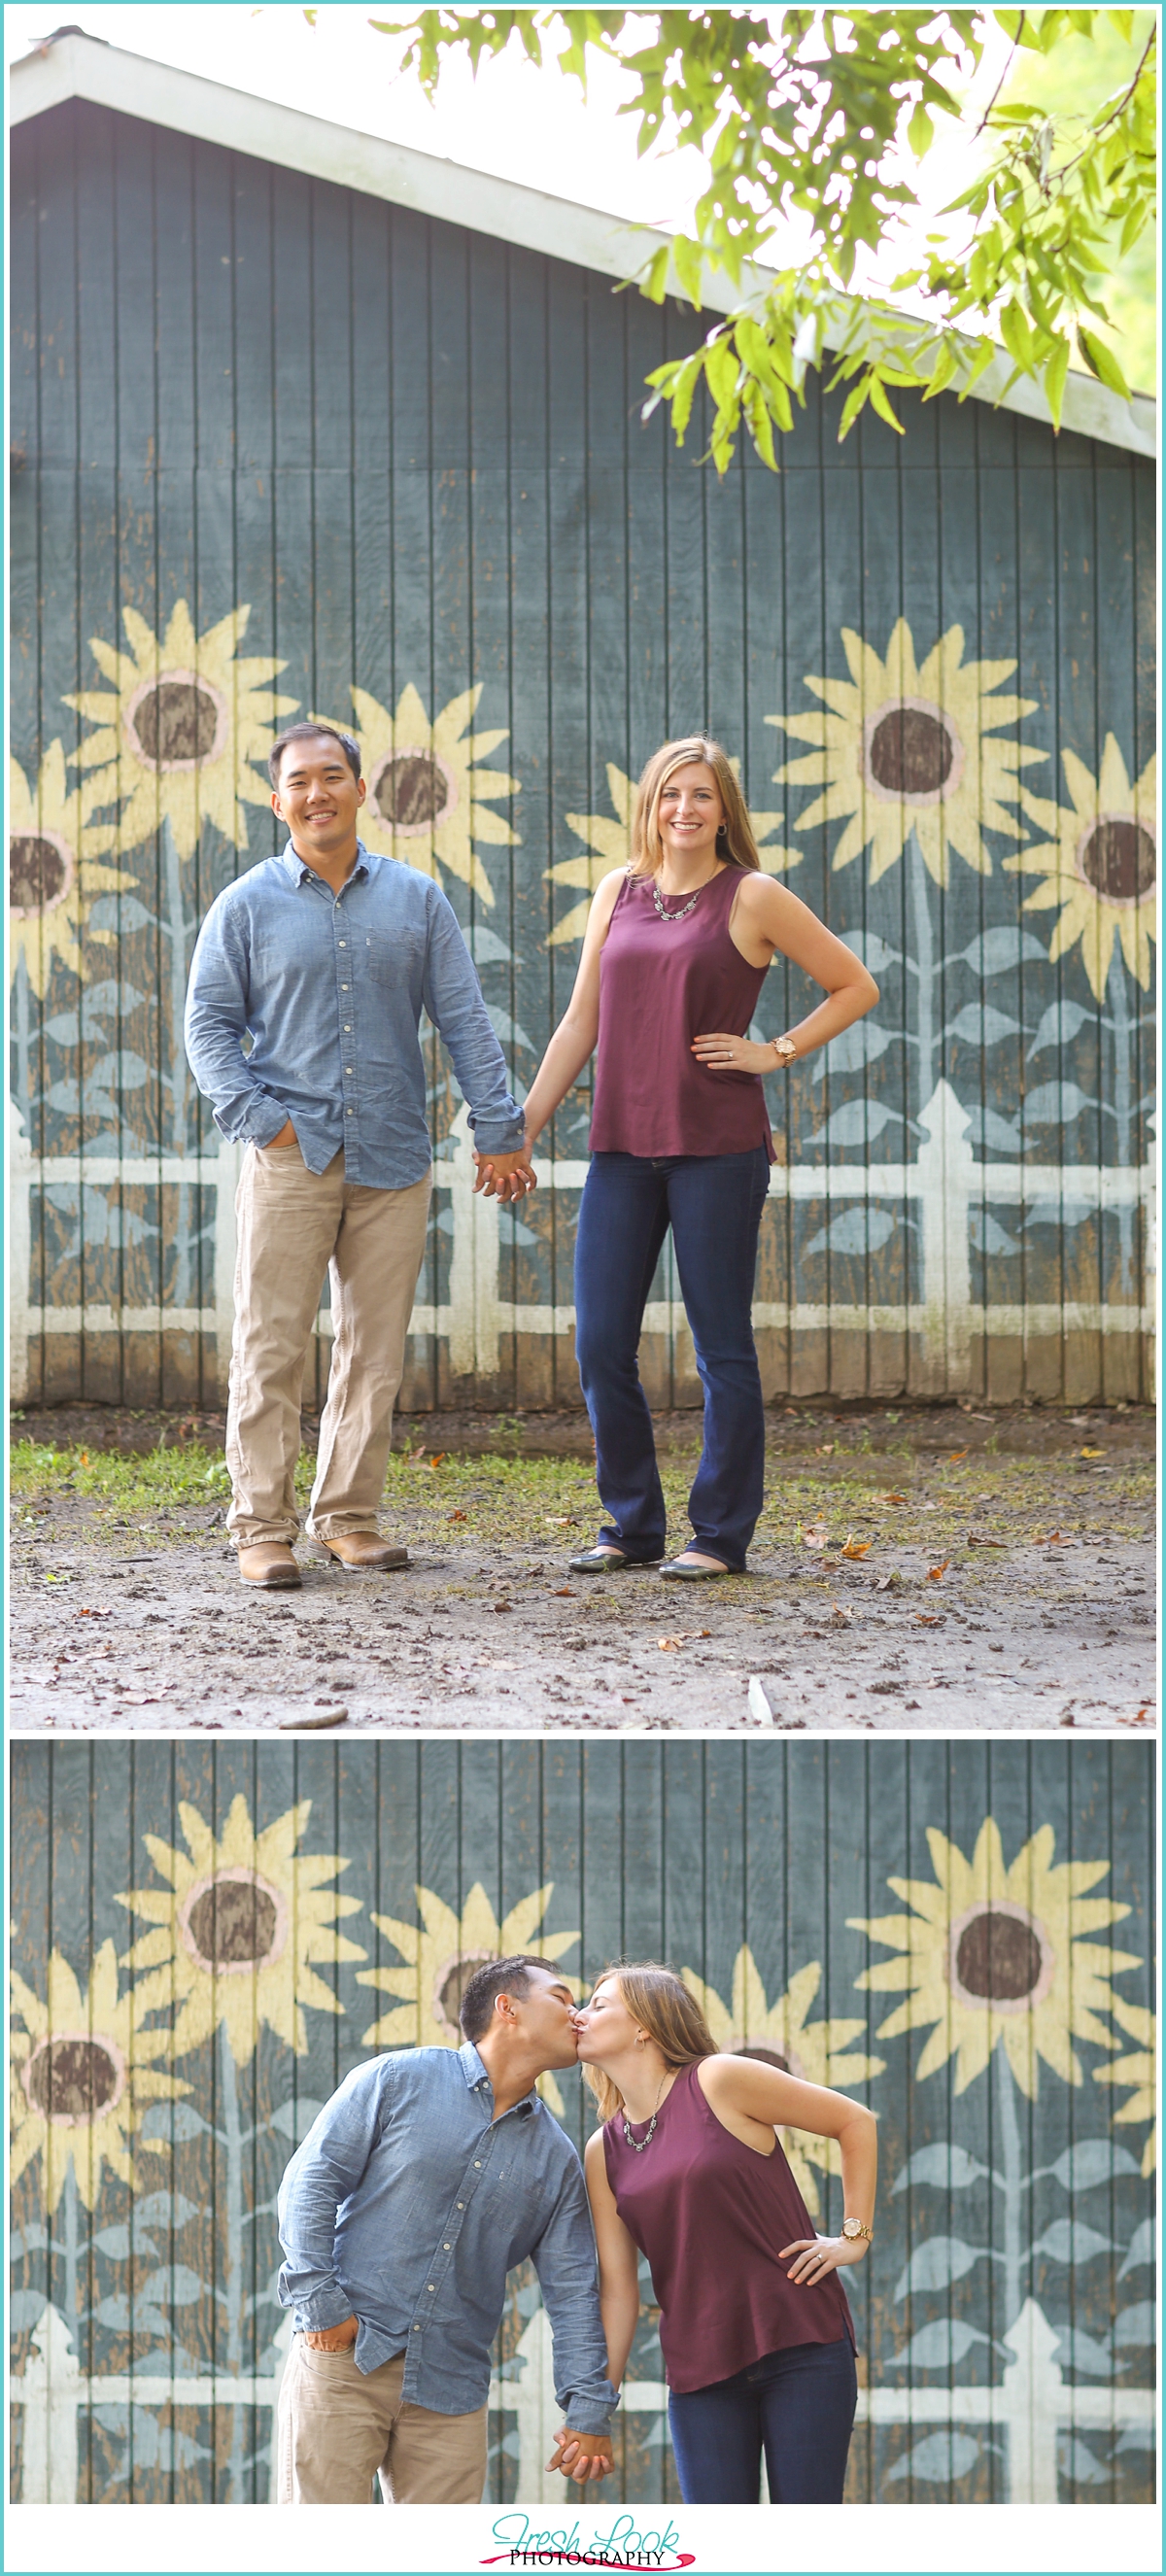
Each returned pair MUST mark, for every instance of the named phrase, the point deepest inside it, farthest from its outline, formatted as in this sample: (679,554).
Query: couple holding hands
(306,992)
(433,2171)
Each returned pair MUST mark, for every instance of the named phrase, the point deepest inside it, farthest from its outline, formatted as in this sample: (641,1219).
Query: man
(324,958)
(424,2180)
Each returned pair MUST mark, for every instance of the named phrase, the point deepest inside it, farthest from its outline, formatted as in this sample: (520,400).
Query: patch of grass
(550,1504)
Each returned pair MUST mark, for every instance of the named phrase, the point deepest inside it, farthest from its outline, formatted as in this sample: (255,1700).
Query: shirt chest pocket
(391,960)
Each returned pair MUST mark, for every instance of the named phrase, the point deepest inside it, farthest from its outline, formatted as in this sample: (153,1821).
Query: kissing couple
(431,2172)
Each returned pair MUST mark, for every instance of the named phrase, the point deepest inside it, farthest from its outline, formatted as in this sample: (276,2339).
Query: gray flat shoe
(607,1560)
(680,1573)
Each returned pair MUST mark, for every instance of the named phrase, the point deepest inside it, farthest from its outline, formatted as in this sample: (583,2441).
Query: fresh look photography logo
(624,2545)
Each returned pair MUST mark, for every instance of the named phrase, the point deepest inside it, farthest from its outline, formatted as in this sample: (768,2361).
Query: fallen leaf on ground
(815,1536)
(929,1618)
(318,1717)
(1053,1539)
(436,1461)
(825,1449)
(955,1456)
(683,1637)
(92,1614)
(558,1520)
(856,1547)
(935,1573)
(457,1516)
(976,1538)
(758,1703)
(1091,1453)
(890,1498)
(498,1606)
(845,1615)
(565,1593)
(885,1581)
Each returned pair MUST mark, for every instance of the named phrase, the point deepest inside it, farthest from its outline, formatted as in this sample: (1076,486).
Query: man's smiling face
(318,798)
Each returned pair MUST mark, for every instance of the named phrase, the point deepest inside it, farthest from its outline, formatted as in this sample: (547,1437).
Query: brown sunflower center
(411,790)
(1119,859)
(234,1923)
(998,1957)
(452,1982)
(768,2057)
(72,2079)
(38,872)
(176,721)
(911,752)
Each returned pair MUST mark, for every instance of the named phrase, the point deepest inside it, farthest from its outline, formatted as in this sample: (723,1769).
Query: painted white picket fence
(944,1185)
(1031,2404)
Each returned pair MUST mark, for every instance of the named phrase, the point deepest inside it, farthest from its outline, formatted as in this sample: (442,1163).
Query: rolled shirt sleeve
(453,999)
(215,1026)
(564,2259)
(323,2173)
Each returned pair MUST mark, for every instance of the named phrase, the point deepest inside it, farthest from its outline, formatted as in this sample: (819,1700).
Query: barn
(843,1909)
(307,421)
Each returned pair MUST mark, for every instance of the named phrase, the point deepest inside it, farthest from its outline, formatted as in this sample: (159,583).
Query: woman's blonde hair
(660,2002)
(735,841)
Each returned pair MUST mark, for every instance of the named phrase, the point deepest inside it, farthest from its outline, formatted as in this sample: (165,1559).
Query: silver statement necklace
(638,2144)
(682,915)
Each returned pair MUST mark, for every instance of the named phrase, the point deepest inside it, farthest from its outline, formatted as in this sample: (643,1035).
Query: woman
(755,2330)
(677,949)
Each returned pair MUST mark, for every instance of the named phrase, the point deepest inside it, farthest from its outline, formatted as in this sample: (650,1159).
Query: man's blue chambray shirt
(331,989)
(406,2206)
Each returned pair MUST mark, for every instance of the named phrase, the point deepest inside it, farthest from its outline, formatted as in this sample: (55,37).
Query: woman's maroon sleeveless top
(711,2215)
(661,984)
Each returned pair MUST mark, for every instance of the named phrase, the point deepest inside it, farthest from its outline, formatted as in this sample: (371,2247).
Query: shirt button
(477,2164)
(344,988)
(431,2285)
(342,943)
(350,1113)
(416,2329)
(348,1023)
(445,2249)
(348,1068)
(461,2204)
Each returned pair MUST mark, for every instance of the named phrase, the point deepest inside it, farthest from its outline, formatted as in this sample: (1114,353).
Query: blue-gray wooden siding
(416,455)
(991,2197)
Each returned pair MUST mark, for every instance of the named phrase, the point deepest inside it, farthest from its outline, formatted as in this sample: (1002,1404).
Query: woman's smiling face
(605,2026)
(689,811)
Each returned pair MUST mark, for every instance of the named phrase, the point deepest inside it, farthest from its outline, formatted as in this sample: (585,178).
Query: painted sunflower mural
(55,875)
(908,746)
(240,1930)
(442,1955)
(1139,2069)
(82,2078)
(999,1957)
(817,2052)
(177,731)
(609,845)
(1099,863)
(428,802)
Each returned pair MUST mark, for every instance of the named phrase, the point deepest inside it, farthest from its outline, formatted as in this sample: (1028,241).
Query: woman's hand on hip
(724,1053)
(811,2258)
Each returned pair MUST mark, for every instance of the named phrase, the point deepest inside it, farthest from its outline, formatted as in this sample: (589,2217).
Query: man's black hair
(495,1977)
(308,733)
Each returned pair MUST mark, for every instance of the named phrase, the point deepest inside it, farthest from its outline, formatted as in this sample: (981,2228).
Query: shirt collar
(298,868)
(476,2074)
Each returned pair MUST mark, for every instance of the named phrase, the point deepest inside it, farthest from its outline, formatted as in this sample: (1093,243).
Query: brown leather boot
(364,1552)
(270,1565)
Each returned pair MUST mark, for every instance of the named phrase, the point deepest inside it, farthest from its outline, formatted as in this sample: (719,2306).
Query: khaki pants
(338,2426)
(293,1225)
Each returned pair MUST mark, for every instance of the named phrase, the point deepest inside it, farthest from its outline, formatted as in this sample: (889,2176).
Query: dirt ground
(1002,1576)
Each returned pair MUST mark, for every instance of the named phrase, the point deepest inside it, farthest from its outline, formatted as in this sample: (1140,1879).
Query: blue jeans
(797,2405)
(713,1203)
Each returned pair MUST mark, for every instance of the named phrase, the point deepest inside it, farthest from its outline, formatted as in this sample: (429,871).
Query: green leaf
(1055,374)
(879,401)
(654,282)
(687,257)
(1101,361)
(920,132)
(854,403)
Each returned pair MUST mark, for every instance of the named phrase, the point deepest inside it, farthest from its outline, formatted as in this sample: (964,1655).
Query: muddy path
(931,1569)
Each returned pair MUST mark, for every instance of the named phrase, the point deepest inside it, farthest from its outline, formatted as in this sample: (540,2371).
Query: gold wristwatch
(852,2229)
(785,1049)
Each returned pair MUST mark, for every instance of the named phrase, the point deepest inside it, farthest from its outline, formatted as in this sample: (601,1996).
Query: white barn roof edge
(79,66)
